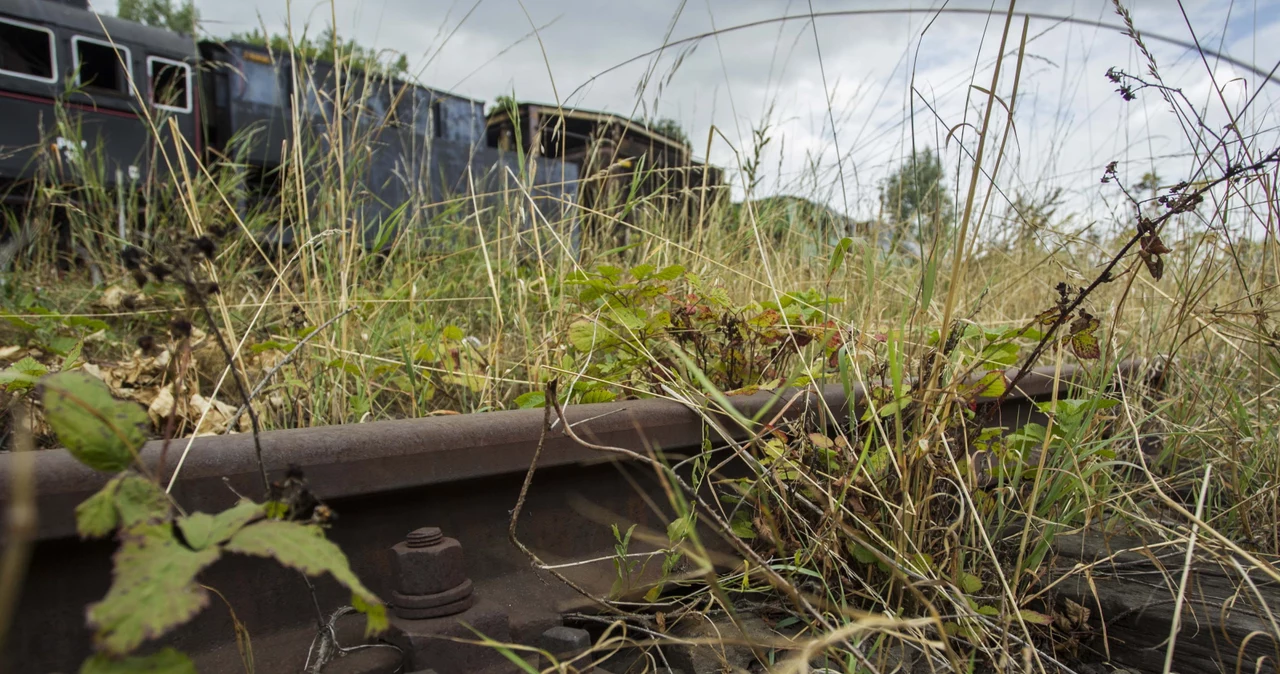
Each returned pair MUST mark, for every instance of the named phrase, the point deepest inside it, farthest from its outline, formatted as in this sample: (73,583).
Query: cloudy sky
(870,82)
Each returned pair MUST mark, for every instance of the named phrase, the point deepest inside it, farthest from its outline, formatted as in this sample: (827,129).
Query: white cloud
(1070,121)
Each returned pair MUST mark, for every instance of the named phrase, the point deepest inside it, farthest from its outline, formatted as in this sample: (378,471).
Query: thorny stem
(1146,229)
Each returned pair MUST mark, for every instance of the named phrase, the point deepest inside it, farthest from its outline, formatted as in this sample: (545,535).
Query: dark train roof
(240,44)
(634,126)
(44,12)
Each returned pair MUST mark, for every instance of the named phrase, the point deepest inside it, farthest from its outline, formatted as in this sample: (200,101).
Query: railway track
(460,474)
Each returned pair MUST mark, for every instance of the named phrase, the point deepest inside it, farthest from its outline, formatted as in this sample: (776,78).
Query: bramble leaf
(22,375)
(669,273)
(991,385)
(303,547)
(1083,342)
(598,396)
(970,583)
(1049,316)
(154,589)
(531,399)
(167,661)
(1035,618)
(641,272)
(375,615)
(628,318)
(586,335)
(202,530)
(100,431)
(140,500)
(1004,353)
(96,516)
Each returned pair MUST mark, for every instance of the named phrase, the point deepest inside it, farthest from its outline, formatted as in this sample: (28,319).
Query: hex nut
(428,569)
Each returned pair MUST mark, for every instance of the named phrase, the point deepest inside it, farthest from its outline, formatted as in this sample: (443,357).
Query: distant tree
(181,18)
(915,198)
(669,128)
(1031,215)
(505,105)
(326,47)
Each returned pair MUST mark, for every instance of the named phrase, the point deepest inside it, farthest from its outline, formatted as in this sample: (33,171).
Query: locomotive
(144,102)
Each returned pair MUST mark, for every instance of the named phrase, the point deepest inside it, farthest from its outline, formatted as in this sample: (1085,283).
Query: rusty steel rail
(385,479)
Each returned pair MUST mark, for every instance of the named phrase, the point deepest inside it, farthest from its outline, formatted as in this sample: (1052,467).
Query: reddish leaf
(1049,316)
(1083,340)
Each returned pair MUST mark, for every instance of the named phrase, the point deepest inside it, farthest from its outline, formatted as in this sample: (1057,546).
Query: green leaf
(167,661)
(91,324)
(96,516)
(628,318)
(991,385)
(927,284)
(680,528)
(1004,353)
(586,335)
(598,396)
(895,406)
(375,615)
(610,272)
(100,431)
(72,357)
(742,526)
(302,547)
(861,553)
(838,255)
(22,375)
(669,273)
(641,272)
(139,500)
(453,333)
(21,324)
(59,345)
(202,530)
(154,589)
(346,366)
(531,399)
(1035,618)
(990,611)
(276,509)
(970,583)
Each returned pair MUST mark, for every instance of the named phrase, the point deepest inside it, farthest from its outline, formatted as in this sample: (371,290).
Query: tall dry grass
(896,540)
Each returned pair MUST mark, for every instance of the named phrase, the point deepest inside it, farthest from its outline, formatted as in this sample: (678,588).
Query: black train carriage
(420,148)
(614,155)
(53,51)
(414,147)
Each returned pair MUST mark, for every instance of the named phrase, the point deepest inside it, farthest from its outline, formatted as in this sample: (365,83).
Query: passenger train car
(75,84)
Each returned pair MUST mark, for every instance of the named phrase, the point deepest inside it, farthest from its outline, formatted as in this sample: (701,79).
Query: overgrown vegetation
(919,529)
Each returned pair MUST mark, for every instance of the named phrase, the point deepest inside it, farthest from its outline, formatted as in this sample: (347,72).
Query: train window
(436,120)
(100,64)
(26,51)
(170,84)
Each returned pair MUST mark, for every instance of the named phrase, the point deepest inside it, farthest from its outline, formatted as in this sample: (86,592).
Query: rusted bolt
(431,578)
(424,537)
